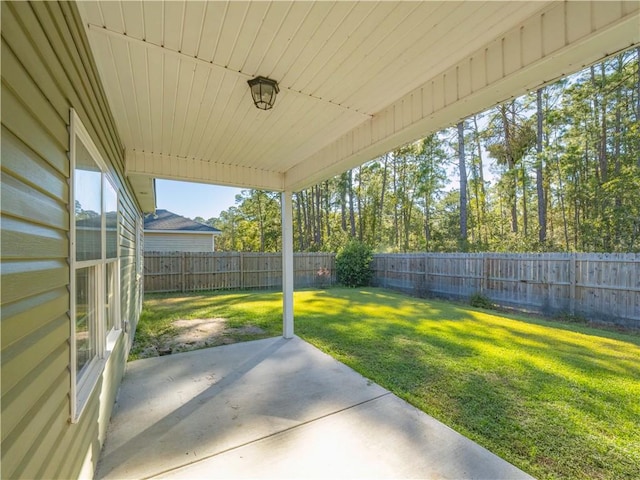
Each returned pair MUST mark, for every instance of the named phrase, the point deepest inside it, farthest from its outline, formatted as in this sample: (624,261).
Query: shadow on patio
(276,408)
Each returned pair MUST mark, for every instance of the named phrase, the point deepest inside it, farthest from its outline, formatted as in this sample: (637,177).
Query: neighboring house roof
(166,221)
(94,220)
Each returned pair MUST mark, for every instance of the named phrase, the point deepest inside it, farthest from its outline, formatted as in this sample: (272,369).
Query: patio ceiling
(356,78)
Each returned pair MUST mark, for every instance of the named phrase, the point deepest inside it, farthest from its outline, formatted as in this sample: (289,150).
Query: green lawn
(556,400)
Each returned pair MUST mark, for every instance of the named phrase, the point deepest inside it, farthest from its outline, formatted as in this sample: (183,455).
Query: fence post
(485,273)
(386,271)
(241,271)
(572,283)
(183,271)
(426,274)
(427,269)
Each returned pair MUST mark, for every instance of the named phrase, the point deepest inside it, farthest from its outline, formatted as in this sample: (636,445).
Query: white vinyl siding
(178,242)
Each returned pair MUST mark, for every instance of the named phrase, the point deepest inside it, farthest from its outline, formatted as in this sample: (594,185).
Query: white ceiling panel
(133,18)
(351,74)
(153,22)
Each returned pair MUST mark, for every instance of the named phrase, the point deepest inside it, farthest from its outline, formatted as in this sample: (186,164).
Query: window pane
(111,212)
(88,207)
(110,307)
(86,318)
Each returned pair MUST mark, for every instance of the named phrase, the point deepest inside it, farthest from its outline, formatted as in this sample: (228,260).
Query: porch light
(263,91)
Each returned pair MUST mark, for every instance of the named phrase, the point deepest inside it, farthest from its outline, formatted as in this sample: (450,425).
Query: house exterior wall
(47,69)
(178,242)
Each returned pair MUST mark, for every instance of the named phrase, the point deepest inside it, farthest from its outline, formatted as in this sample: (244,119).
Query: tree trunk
(305,221)
(318,232)
(617,153)
(463,188)
(260,221)
(358,199)
(513,180)
(327,208)
(638,102)
(378,234)
(562,206)
(310,215)
(483,205)
(299,223)
(311,206)
(542,204)
(352,218)
(396,235)
(407,206)
(602,154)
(525,214)
(604,159)
(427,220)
(343,201)
(476,193)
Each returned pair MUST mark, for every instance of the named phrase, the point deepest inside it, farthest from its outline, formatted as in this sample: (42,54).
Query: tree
(352,216)
(479,185)
(463,188)
(510,137)
(570,151)
(430,179)
(542,205)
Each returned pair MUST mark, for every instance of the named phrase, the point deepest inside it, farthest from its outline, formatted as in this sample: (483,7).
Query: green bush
(479,300)
(353,264)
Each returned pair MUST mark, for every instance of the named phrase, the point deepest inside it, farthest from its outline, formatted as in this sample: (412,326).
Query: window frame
(82,386)
(139,265)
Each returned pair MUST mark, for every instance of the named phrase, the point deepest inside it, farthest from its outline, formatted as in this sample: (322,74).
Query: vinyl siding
(47,69)
(177,242)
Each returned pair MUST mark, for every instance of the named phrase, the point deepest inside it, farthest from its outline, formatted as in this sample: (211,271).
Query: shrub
(353,264)
(481,301)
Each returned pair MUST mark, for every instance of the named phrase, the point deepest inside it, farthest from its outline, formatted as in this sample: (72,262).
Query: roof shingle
(166,220)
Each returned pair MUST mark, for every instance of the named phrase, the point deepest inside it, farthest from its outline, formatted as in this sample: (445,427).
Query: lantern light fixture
(263,92)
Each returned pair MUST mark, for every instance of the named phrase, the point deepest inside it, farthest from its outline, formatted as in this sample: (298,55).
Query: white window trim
(139,264)
(81,391)
(113,334)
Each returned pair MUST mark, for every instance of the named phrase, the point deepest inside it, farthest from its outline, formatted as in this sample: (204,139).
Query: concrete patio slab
(276,408)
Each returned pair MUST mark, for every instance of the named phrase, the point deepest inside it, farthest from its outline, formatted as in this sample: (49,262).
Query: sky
(194,199)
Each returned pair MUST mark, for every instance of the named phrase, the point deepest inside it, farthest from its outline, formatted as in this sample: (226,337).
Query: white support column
(287,265)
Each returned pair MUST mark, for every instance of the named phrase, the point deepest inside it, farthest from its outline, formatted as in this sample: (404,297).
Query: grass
(558,400)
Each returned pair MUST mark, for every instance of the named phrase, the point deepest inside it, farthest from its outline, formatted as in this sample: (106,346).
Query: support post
(287,265)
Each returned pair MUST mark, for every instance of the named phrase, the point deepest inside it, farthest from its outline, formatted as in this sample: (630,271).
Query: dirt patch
(198,330)
(196,334)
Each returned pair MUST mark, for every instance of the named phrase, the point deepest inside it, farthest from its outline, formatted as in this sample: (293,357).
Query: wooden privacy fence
(187,272)
(601,287)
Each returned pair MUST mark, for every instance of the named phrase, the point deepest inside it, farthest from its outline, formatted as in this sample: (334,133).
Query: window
(95,267)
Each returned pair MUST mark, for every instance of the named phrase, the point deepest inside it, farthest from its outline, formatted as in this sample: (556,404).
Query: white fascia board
(544,48)
(171,167)
(144,189)
(183,232)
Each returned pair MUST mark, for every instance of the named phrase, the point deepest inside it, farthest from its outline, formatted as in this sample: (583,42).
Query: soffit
(175,72)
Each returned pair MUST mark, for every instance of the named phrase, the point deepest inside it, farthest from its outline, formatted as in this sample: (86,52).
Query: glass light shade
(263,91)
